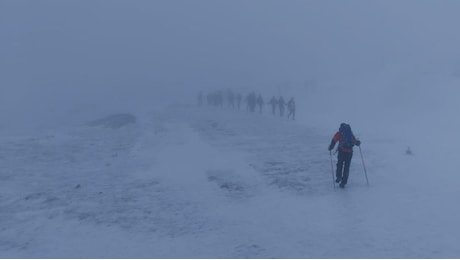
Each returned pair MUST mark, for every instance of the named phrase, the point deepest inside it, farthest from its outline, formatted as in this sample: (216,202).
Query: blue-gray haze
(58,57)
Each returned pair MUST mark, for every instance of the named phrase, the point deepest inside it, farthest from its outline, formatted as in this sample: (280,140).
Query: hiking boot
(338,180)
(342,185)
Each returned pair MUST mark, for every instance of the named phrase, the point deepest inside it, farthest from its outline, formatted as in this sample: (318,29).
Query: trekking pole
(332,170)
(364,166)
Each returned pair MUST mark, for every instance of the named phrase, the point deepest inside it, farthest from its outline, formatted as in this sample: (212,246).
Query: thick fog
(103,142)
(65,60)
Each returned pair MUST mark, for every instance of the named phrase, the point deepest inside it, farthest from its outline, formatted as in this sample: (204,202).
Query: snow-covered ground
(191,182)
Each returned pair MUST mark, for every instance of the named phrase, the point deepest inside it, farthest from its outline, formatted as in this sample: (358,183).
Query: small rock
(409,151)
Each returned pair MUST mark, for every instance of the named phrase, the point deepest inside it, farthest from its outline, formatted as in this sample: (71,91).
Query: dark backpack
(347,137)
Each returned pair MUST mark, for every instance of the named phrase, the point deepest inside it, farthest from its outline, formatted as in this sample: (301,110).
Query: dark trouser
(291,113)
(343,165)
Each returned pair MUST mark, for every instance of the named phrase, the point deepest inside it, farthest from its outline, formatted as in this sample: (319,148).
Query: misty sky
(93,49)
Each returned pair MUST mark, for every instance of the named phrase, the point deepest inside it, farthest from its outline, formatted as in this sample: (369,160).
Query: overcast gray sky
(74,50)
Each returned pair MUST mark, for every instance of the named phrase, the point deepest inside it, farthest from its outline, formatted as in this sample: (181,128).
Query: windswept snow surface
(189,182)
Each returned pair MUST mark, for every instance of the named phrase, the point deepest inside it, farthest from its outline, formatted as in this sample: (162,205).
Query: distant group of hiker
(252,100)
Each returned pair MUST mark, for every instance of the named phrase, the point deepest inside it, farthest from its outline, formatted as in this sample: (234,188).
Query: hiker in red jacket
(346,141)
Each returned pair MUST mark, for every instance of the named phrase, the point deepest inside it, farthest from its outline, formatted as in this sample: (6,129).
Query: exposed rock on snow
(114,121)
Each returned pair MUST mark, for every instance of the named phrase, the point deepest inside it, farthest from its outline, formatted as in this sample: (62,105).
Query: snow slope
(188,182)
